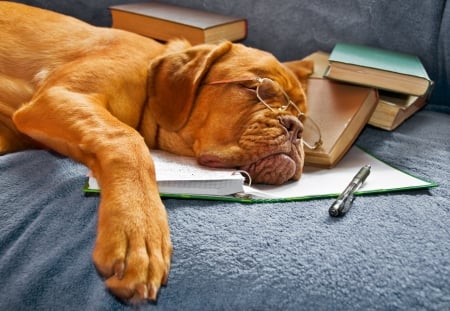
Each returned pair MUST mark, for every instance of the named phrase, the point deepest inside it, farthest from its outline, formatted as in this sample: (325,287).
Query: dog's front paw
(133,250)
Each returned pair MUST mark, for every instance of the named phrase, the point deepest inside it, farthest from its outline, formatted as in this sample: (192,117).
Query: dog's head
(229,106)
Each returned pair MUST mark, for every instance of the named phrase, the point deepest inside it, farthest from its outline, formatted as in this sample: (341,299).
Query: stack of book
(164,22)
(400,78)
(358,85)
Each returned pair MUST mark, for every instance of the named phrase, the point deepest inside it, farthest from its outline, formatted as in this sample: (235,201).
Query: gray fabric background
(390,252)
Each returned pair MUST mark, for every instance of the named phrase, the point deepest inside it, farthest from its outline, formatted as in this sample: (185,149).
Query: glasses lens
(272,94)
(312,137)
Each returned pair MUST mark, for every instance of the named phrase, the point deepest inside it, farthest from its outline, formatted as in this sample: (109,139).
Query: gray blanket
(391,251)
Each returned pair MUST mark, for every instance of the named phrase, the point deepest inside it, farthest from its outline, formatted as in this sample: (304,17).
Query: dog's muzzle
(281,167)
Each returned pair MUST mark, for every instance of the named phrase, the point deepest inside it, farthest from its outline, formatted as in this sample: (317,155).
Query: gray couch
(390,252)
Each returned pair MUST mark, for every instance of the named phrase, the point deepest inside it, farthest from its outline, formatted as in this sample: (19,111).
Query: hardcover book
(394,108)
(341,111)
(163,22)
(378,68)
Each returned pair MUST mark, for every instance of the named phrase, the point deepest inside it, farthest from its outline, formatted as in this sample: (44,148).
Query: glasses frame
(301,115)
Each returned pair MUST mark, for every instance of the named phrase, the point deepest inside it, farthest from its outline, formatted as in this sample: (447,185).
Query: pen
(345,199)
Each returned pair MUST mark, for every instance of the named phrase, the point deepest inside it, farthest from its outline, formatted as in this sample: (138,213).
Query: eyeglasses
(274,98)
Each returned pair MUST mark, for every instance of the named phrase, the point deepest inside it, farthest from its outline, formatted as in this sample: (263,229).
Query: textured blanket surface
(391,251)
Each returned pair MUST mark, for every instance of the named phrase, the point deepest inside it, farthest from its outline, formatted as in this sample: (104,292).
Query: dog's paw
(133,251)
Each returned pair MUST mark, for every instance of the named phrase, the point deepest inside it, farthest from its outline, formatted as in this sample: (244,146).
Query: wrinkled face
(230,126)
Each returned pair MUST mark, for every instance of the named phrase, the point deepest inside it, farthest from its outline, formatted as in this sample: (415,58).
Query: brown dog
(104,97)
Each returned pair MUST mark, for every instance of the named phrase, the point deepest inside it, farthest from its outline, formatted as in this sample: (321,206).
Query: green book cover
(378,68)
(376,58)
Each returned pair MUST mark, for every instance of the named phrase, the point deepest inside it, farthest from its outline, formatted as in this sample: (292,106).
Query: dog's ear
(173,81)
(302,70)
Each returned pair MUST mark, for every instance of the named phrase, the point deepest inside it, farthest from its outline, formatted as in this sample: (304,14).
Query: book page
(183,175)
(322,182)
(171,167)
(398,99)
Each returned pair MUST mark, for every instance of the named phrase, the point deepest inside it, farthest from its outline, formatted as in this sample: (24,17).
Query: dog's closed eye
(251,91)
(249,85)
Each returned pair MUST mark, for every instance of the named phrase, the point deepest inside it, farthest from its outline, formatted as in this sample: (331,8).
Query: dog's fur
(104,97)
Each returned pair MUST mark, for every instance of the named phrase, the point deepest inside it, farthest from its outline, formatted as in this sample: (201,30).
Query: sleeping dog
(105,97)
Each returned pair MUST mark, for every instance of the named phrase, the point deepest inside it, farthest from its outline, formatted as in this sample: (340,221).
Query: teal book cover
(378,68)
(376,58)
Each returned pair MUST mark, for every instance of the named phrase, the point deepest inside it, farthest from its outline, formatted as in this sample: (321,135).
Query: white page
(171,167)
(183,175)
(317,182)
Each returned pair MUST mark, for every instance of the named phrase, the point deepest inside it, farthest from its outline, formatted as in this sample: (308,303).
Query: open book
(182,177)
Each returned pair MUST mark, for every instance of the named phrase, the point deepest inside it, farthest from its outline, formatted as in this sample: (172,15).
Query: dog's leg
(10,139)
(133,247)
(13,92)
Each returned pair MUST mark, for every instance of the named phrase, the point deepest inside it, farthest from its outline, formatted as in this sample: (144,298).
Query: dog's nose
(293,126)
